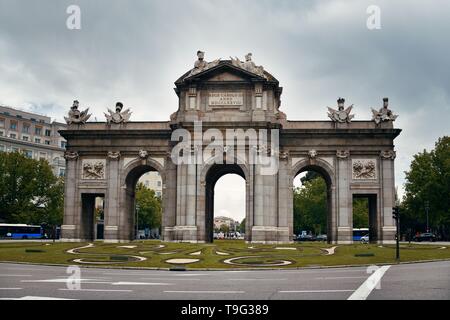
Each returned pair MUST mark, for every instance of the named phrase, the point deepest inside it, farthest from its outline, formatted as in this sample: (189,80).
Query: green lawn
(213,255)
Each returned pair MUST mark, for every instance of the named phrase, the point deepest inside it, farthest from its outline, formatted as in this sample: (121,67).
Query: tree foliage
(361,213)
(310,206)
(149,207)
(29,191)
(428,180)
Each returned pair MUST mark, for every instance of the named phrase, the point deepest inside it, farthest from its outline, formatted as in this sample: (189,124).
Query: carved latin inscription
(364,169)
(226,99)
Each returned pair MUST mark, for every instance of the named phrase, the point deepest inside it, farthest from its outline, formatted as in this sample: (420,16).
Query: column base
(270,235)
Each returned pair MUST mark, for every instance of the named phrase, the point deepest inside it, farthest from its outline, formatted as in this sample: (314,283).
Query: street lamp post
(427,208)
(137,221)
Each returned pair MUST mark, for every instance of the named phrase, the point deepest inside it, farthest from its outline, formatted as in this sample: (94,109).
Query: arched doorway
(214,173)
(319,179)
(149,177)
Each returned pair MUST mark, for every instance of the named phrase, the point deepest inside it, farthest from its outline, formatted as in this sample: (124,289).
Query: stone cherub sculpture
(76,116)
(384,114)
(248,65)
(341,115)
(201,65)
(118,116)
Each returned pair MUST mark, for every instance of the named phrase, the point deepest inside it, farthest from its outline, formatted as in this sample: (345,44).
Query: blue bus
(20,231)
(358,233)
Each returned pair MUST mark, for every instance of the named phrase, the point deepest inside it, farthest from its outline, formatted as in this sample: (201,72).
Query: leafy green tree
(150,208)
(361,213)
(310,206)
(428,180)
(224,228)
(242,226)
(29,191)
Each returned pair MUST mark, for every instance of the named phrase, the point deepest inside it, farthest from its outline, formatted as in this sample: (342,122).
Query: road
(406,281)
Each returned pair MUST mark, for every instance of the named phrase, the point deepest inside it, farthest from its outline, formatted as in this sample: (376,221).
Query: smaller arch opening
(144,202)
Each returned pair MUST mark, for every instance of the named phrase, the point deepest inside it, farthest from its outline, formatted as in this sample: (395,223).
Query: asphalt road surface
(406,281)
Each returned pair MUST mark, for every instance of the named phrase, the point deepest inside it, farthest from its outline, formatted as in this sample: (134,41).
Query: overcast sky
(319,50)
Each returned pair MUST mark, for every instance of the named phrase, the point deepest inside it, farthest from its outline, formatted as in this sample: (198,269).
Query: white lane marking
(10,288)
(202,291)
(67,280)
(173,279)
(366,288)
(36,298)
(15,275)
(255,279)
(313,291)
(97,290)
(127,283)
(331,278)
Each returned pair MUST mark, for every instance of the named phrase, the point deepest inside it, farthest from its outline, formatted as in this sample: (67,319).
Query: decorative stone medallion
(342,154)
(364,169)
(388,154)
(93,169)
(114,155)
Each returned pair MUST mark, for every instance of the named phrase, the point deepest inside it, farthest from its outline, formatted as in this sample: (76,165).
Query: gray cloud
(318,50)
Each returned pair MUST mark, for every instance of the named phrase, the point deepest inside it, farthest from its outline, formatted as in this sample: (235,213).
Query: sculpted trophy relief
(76,116)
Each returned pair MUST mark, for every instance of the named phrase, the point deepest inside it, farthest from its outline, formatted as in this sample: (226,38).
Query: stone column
(112,198)
(388,228)
(169,200)
(70,230)
(285,201)
(344,198)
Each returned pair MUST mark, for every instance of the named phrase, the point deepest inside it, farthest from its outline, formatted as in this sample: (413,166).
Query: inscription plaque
(226,99)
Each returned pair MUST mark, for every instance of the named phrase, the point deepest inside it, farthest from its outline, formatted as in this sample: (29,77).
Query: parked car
(428,236)
(306,237)
(321,237)
(365,238)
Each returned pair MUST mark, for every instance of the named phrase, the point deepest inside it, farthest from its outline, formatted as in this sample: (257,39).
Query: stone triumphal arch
(235,101)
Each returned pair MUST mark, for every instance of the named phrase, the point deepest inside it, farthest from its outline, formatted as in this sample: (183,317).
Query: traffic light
(395,213)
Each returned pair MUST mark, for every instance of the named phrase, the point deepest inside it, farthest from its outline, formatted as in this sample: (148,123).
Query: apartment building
(33,135)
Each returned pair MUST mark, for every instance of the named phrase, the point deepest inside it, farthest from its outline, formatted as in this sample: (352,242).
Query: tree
(310,206)
(224,228)
(428,180)
(242,226)
(150,209)
(361,213)
(29,191)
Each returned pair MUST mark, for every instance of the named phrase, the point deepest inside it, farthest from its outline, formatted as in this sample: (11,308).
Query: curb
(228,269)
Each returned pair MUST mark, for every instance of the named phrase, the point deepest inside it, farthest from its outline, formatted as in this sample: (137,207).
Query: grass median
(221,254)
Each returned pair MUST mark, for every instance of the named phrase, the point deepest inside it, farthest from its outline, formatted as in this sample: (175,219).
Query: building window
(158,193)
(37,140)
(1,133)
(2,123)
(28,153)
(42,156)
(38,131)
(48,132)
(2,148)
(47,142)
(26,128)
(25,138)
(62,172)
(159,183)
(12,135)
(13,125)
(14,149)
(63,144)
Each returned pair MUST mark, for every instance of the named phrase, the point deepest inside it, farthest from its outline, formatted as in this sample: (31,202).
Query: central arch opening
(225,202)
(312,205)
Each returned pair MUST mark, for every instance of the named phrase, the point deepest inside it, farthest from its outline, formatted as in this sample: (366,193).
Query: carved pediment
(224,70)
(225,76)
